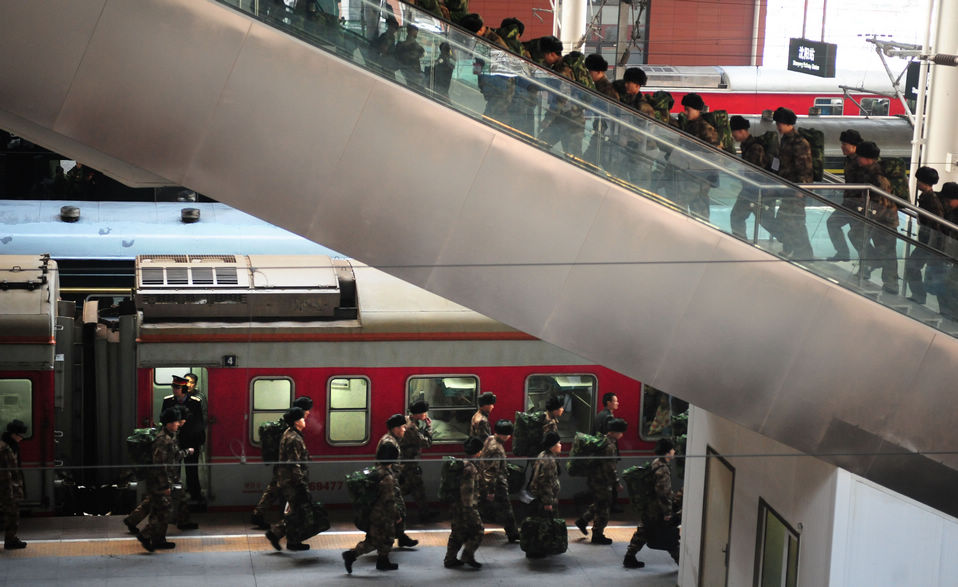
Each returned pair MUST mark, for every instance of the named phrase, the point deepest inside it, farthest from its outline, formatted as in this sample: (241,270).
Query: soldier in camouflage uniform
(293,481)
(397,430)
(467,529)
(658,512)
(544,484)
(11,484)
(794,163)
(601,480)
(273,494)
(597,151)
(417,436)
(746,203)
(384,516)
(510,31)
(852,199)
(879,245)
(695,184)
(160,480)
(565,120)
(554,410)
(479,425)
(929,233)
(495,480)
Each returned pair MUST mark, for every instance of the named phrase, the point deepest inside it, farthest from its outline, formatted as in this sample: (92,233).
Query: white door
(716,521)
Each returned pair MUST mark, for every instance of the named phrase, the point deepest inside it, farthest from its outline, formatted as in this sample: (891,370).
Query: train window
(578,395)
(271,397)
(452,402)
(777,550)
(347,420)
(658,412)
(16,403)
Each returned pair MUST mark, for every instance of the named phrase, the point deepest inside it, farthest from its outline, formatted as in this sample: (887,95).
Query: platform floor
(97,550)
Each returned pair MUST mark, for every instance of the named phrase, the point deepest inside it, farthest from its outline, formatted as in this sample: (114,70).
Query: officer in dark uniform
(193,433)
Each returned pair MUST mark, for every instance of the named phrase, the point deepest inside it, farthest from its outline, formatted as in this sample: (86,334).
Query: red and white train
(260,330)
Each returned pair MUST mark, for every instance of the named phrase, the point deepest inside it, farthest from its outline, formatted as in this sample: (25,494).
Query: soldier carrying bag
(316,521)
(363,487)
(270,433)
(540,536)
(139,445)
(641,486)
(527,437)
(450,479)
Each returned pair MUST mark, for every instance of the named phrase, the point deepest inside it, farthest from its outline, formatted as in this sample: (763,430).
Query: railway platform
(97,550)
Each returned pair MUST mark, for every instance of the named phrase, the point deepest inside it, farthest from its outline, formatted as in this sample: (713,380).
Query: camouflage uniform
(544,485)
(494,480)
(602,480)
(180,507)
(479,426)
(879,245)
(293,481)
(400,529)
(159,480)
(795,165)
(853,201)
(382,516)
(694,184)
(409,55)
(929,233)
(753,151)
(656,510)
(11,486)
(551,425)
(467,529)
(418,436)
(565,120)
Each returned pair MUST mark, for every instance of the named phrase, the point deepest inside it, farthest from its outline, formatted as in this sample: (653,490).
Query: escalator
(589,246)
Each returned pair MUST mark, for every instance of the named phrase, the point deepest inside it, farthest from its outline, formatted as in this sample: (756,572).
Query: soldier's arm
(663,490)
(8,463)
(468,488)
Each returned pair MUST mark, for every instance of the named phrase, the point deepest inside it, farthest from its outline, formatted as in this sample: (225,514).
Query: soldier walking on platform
(273,494)
(193,433)
(657,517)
(467,529)
(602,479)
(479,426)
(495,477)
(160,480)
(397,429)
(544,484)
(417,436)
(11,483)
(384,517)
(293,481)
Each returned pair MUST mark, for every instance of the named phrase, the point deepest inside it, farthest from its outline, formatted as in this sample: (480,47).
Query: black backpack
(450,479)
(527,437)
(270,434)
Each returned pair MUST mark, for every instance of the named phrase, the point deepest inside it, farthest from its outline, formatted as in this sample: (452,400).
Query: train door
(716,520)
(161,388)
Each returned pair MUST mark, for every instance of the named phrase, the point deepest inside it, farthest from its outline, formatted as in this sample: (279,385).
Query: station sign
(812,57)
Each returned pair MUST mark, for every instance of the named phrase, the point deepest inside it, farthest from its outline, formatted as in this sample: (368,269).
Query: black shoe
(583,526)
(406,542)
(14,544)
(146,542)
(600,539)
(383,564)
(188,526)
(832,259)
(131,526)
(165,545)
(349,557)
(631,562)
(258,521)
(296,546)
(273,539)
(453,563)
(512,538)
(473,563)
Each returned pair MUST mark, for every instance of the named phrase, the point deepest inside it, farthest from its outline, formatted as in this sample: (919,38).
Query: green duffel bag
(139,446)
(363,487)
(640,482)
(527,437)
(543,536)
(450,479)
(317,520)
(584,445)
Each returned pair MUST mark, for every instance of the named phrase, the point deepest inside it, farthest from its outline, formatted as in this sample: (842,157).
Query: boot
(383,564)
(631,562)
(146,542)
(14,543)
(258,521)
(512,536)
(296,546)
(131,526)
(583,526)
(164,545)
(406,542)
(349,557)
(452,563)
(472,562)
(274,540)
(600,538)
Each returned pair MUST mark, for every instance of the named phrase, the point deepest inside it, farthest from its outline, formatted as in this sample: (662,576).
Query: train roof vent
(255,287)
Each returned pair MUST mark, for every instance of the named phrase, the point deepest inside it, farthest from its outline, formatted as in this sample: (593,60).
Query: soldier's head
(512,23)
(597,66)
(396,425)
(412,31)
(17,429)
(634,79)
(555,406)
(387,452)
(849,139)
(503,430)
(295,418)
(304,403)
(191,380)
(610,401)
(170,419)
(487,401)
(665,448)
(617,427)
(472,447)
(784,119)
(868,152)
(551,50)
(694,105)
(552,443)
(179,386)
(472,22)
(949,195)
(419,409)
(926,177)
(739,126)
